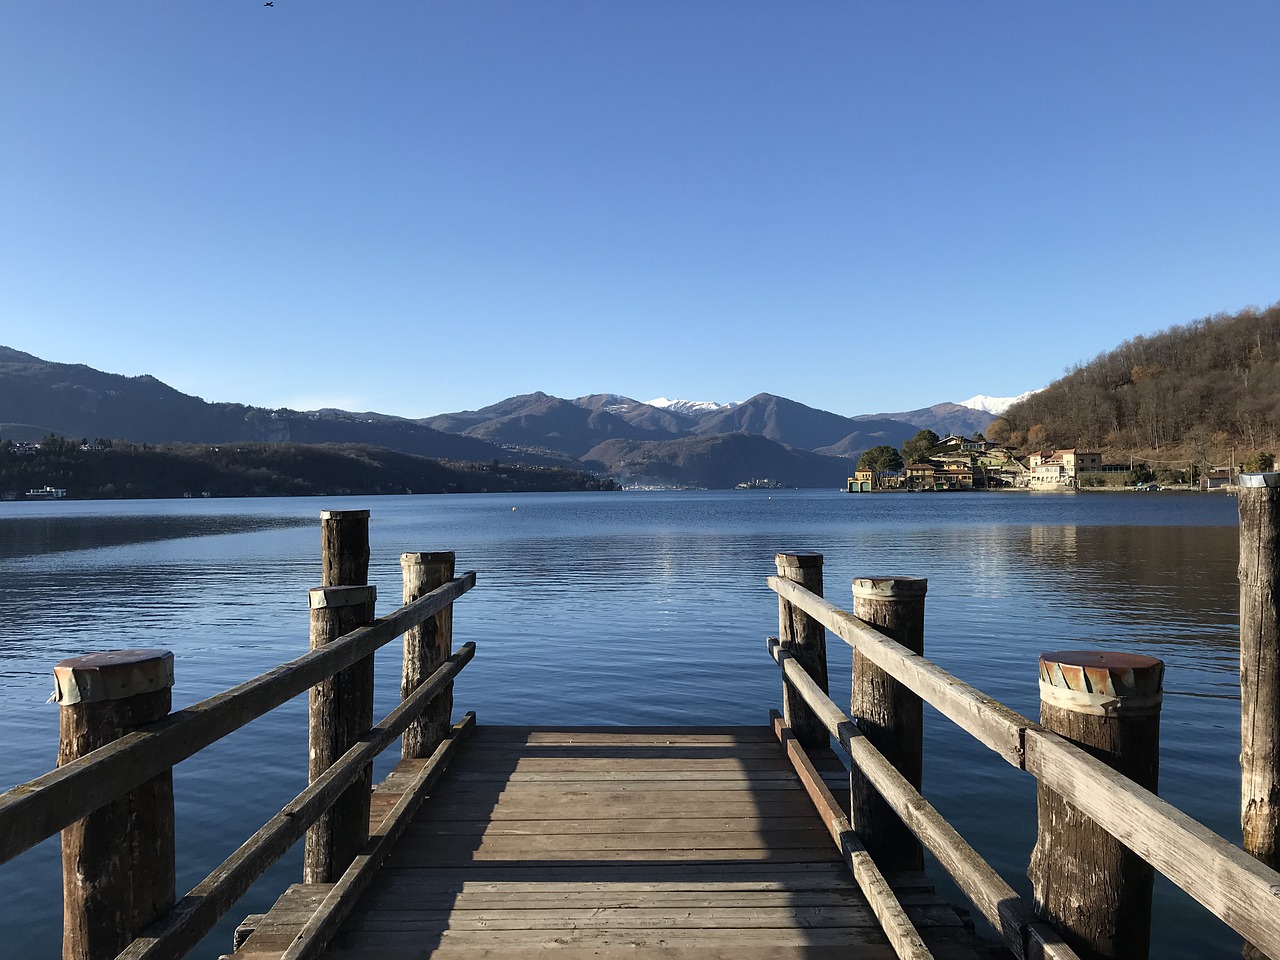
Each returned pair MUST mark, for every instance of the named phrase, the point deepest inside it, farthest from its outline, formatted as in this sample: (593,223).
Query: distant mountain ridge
(38,397)
(941,418)
(659,442)
(691,408)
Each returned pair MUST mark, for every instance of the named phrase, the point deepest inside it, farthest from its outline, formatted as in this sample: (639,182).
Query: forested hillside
(129,471)
(1203,393)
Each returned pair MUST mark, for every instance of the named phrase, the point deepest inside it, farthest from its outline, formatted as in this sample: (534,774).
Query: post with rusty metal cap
(806,640)
(1087,883)
(890,716)
(426,647)
(341,713)
(118,862)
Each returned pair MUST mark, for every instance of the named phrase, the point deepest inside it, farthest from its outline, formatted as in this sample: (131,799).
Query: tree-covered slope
(1198,392)
(125,470)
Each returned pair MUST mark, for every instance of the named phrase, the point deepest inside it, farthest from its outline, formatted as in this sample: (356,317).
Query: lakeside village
(953,463)
(961,463)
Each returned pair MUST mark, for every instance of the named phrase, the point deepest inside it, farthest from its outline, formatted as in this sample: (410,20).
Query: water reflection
(35,536)
(630,609)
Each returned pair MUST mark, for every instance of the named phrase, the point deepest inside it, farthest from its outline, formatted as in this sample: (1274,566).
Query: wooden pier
(607,842)
(666,843)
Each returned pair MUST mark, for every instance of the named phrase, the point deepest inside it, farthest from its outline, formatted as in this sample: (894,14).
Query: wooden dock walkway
(609,842)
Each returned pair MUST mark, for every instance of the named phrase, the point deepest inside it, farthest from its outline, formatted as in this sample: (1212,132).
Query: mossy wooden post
(1259,573)
(118,862)
(341,712)
(806,640)
(425,648)
(890,715)
(1087,883)
(344,548)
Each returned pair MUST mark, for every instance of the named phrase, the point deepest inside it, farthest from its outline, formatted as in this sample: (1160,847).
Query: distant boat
(47,493)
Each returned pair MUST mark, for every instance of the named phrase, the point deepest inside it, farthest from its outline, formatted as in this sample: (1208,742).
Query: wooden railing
(1234,886)
(119,898)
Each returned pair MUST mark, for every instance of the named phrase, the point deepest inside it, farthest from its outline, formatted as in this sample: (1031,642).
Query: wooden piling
(425,648)
(889,715)
(806,640)
(1259,572)
(341,713)
(344,548)
(1086,882)
(118,862)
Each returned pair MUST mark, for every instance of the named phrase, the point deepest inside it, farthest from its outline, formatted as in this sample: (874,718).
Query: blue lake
(627,608)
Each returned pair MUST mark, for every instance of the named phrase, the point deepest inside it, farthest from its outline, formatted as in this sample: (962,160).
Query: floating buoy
(513,508)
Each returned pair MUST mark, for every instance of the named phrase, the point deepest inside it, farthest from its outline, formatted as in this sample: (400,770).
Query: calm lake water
(587,606)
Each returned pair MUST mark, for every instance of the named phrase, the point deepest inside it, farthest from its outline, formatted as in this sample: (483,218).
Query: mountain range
(663,442)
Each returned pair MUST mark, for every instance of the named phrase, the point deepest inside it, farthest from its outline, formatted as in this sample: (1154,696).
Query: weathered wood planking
(613,843)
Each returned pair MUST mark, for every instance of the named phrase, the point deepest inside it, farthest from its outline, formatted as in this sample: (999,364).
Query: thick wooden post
(1087,883)
(425,648)
(344,548)
(890,715)
(1259,573)
(341,711)
(806,640)
(118,862)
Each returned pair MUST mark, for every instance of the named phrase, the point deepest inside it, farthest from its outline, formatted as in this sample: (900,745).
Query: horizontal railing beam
(987,720)
(897,926)
(986,889)
(1237,889)
(39,809)
(1242,892)
(195,914)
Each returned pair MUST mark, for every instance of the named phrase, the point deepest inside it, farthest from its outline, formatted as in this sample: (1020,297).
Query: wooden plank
(522,806)
(620,735)
(509,766)
(453,855)
(611,919)
(745,777)
(637,877)
(605,896)
(623,751)
(536,941)
(617,791)
(36,810)
(673,827)
(665,950)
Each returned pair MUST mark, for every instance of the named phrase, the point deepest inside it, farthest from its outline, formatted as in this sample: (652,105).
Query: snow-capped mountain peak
(692,408)
(995,405)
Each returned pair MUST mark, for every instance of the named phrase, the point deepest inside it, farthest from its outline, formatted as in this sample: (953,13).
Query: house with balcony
(920,476)
(1061,467)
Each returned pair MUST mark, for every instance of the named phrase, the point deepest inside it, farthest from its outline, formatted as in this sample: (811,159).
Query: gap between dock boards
(613,841)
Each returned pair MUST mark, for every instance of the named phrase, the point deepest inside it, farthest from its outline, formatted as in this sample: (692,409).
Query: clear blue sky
(415,207)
